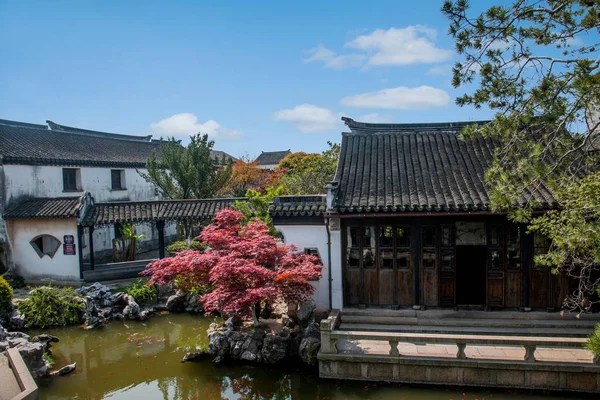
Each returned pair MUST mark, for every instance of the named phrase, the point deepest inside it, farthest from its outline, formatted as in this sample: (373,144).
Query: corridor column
(160,227)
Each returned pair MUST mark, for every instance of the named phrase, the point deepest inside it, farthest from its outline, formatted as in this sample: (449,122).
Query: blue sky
(257,76)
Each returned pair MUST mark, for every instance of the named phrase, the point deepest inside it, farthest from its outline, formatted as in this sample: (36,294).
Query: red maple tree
(243,265)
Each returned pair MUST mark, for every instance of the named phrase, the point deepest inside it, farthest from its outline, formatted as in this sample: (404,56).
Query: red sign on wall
(69,245)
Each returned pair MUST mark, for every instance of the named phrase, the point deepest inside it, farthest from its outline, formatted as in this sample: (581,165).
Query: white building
(55,162)
(270,159)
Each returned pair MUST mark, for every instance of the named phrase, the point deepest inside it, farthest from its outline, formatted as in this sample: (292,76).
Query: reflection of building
(45,173)
(407,222)
(270,159)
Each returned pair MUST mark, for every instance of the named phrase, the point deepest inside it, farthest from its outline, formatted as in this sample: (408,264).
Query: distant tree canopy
(187,172)
(536,64)
(245,175)
(309,173)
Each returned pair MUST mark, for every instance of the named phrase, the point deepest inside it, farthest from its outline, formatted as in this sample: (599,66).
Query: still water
(141,360)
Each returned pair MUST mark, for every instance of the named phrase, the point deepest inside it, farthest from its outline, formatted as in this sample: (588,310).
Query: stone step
(470,330)
(471,314)
(499,323)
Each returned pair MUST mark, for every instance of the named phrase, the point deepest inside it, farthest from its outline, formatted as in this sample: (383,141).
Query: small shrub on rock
(142,293)
(49,306)
(6,295)
(181,245)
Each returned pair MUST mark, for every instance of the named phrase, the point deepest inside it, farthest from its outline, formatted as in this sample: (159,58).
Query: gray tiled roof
(416,167)
(294,206)
(32,144)
(271,157)
(147,211)
(50,208)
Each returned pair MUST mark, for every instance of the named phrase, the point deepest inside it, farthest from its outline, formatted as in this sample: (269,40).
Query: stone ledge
(438,371)
(29,389)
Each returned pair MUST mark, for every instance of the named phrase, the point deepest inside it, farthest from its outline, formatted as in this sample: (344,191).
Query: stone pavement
(9,387)
(506,353)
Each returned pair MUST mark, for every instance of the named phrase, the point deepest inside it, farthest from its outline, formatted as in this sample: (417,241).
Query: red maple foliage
(243,264)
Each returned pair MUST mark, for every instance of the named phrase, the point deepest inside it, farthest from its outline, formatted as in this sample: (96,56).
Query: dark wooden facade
(446,261)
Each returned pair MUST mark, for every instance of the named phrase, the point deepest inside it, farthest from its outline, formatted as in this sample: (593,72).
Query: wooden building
(412,209)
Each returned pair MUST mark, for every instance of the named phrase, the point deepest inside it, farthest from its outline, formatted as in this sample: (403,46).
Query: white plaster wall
(28,263)
(47,181)
(311,236)
(337,287)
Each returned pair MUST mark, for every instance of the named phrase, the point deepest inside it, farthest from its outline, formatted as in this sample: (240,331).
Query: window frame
(121,174)
(74,186)
(40,251)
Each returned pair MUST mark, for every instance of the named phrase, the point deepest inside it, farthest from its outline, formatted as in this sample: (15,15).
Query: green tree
(187,172)
(309,173)
(535,64)
(257,207)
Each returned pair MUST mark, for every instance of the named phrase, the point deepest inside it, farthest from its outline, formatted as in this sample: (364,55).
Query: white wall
(47,181)
(337,287)
(305,236)
(27,261)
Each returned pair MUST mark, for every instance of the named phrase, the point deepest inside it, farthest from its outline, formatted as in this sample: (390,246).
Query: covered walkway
(156,213)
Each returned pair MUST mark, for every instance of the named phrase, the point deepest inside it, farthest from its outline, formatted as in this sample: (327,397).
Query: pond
(142,360)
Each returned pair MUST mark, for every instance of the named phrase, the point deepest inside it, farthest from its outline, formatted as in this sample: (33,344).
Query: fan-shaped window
(45,245)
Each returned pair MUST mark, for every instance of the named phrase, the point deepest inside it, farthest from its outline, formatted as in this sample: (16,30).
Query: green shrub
(593,343)
(181,245)
(142,293)
(49,306)
(6,295)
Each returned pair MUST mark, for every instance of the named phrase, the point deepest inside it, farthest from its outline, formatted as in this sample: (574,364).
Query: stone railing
(328,326)
(29,389)
(330,336)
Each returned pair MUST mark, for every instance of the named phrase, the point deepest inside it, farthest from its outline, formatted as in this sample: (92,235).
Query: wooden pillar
(527,264)
(91,246)
(416,259)
(79,249)
(160,227)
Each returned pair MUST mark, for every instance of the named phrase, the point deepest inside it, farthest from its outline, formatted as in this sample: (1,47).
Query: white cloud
(309,118)
(376,118)
(400,98)
(332,60)
(444,70)
(401,46)
(186,124)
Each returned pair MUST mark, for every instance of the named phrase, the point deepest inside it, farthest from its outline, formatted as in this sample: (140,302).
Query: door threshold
(477,307)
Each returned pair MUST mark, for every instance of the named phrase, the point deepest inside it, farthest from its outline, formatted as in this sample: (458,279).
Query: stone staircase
(501,323)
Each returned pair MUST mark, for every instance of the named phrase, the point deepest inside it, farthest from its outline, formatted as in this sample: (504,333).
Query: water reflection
(136,360)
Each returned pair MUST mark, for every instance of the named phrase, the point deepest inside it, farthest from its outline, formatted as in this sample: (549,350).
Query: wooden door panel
(512,291)
(370,292)
(447,289)
(540,280)
(495,290)
(405,287)
(353,286)
(386,287)
(430,287)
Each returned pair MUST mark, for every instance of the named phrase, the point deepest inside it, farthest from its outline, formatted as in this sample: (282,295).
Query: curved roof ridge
(79,131)
(370,127)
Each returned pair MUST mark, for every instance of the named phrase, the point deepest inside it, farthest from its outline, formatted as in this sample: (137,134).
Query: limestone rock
(67,369)
(16,321)
(33,355)
(275,347)
(312,330)
(194,356)
(308,350)
(306,312)
(176,302)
